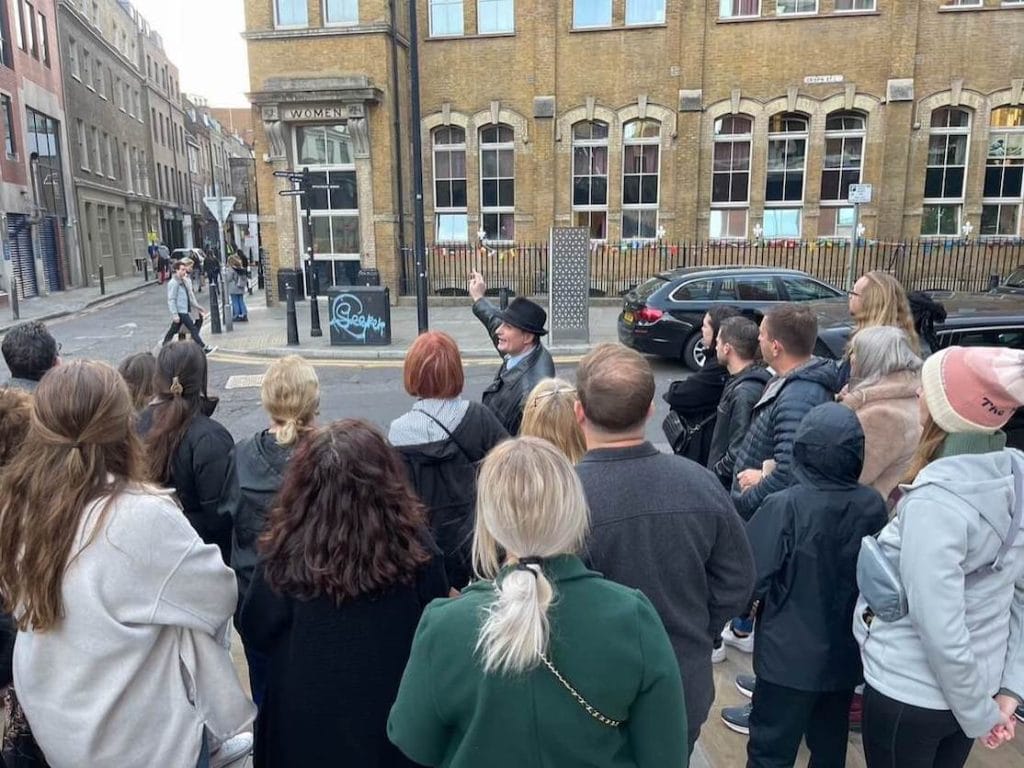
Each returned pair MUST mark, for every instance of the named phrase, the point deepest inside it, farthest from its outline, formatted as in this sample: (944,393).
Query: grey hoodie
(963,639)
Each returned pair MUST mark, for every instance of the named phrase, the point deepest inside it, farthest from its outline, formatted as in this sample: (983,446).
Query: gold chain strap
(576,695)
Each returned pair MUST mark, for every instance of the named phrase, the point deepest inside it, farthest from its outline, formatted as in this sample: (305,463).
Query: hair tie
(525,563)
(176,388)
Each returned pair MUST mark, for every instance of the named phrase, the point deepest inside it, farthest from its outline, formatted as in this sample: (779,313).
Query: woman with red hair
(442,438)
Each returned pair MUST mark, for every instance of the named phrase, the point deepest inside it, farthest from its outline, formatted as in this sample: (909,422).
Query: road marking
(237,359)
(244,381)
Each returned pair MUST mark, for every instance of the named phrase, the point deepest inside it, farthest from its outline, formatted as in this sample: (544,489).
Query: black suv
(663,315)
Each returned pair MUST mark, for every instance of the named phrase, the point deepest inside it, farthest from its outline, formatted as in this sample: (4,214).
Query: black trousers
(898,735)
(782,716)
(187,323)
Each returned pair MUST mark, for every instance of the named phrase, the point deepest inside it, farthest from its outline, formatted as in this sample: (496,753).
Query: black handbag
(680,433)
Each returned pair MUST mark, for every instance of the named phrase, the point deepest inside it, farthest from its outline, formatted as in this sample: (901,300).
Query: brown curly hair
(15,416)
(346,522)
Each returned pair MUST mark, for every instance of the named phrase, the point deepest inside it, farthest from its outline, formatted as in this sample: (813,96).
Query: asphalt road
(373,390)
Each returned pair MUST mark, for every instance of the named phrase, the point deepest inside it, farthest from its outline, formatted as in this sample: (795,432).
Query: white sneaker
(745,644)
(233,749)
(718,654)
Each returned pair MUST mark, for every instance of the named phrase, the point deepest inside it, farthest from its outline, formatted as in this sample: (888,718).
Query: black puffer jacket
(805,541)
(199,470)
(696,400)
(735,409)
(443,474)
(786,400)
(255,474)
(506,396)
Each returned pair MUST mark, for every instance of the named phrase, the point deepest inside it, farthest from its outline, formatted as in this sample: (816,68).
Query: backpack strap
(447,432)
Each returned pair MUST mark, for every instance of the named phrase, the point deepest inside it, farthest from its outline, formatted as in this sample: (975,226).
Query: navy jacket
(786,400)
(805,541)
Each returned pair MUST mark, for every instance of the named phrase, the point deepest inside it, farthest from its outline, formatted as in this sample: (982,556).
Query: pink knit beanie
(973,389)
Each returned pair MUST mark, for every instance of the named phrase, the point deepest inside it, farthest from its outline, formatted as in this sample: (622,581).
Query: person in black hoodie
(186,449)
(805,541)
(291,397)
(696,398)
(736,350)
(442,439)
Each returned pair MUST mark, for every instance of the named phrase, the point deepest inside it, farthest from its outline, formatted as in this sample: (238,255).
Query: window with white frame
(641,157)
(844,161)
(73,59)
(795,7)
(446,18)
(591,13)
(86,69)
(291,13)
(946,172)
(645,11)
(7,113)
(739,9)
(497,182)
(962,3)
(341,12)
(1003,196)
(450,200)
(730,184)
(495,17)
(851,6)
(96,156)
(327,151)
(590,177)
(784,188)
(83,144)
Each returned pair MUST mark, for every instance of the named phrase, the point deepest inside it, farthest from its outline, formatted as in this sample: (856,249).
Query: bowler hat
(526,316)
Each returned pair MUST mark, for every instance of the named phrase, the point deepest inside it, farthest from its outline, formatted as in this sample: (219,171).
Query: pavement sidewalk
(265,335)
(62,303)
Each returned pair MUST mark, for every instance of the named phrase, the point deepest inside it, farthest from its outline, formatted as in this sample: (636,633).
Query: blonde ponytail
(288,432)
(291,396)
(514,635)
(530,501)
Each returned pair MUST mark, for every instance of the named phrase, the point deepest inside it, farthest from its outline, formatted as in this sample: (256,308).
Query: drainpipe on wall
(396,101)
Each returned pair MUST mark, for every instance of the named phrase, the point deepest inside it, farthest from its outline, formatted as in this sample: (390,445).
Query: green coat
(606,640)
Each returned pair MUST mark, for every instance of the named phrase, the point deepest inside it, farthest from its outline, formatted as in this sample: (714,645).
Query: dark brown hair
(615,386)
(139,373)
(180,388)
(81,436)
(346,523)
(741,334)
(433,367)
(794,327)
(15,417)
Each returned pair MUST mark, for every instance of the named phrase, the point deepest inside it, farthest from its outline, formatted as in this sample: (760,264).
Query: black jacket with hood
(785,401)
(506,395)
(254,478)
(735,409)
(443,474)
(805,541)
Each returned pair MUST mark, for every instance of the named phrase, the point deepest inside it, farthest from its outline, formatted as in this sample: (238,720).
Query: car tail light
(648,315)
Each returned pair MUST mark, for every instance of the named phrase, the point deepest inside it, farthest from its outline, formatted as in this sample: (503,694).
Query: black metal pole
(15,309)
(314,303)
(415,120)
(260,274)
(290,317)
(103,283)
(214,308)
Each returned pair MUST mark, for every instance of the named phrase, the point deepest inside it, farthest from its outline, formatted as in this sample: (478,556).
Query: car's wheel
(693,352)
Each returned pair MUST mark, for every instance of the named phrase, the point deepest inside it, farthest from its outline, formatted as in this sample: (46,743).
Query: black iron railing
(617,268)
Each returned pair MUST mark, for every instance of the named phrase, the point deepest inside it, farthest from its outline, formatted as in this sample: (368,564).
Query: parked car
(663,315)
(972,320)
(196,254)
(1013,284)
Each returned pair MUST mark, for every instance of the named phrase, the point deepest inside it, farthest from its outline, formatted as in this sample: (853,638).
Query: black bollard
(103,283)
(293,321)
(214,309)
(15,309)
(145,270)
(314,305)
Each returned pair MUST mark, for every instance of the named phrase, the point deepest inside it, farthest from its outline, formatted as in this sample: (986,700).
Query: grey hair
(530,504)
(879,351)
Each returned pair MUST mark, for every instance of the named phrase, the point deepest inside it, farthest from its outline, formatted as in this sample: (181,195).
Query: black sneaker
(745,685)
(737,719)
(209,350)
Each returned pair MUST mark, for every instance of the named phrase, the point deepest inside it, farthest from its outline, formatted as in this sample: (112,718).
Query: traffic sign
(325,186)
(291,175)
(859,193)
(220,207)
(292,192)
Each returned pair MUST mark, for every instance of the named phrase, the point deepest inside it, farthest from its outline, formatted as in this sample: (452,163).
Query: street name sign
(859,193)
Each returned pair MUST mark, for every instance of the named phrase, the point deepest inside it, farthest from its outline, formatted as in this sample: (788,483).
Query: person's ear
(577,409)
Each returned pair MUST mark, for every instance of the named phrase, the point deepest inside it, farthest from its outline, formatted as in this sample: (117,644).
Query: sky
(203,38)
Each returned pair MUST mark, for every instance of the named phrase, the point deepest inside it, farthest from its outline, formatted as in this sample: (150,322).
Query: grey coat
(664,525)
(506,396)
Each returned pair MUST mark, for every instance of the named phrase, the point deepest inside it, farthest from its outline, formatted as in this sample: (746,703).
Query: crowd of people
(526,580)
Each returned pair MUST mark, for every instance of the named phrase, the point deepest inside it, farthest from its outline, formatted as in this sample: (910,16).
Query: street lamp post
(415,121)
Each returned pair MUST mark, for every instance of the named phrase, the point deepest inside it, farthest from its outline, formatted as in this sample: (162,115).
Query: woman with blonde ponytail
(291,397)
(541,662)
(116,598)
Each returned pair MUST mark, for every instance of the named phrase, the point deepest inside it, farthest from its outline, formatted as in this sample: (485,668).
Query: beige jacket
(888,414)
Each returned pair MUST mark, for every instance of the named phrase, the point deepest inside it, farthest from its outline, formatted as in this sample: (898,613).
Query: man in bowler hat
(516,333)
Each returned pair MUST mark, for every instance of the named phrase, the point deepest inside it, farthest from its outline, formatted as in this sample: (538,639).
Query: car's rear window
(1016,279)
(647,288)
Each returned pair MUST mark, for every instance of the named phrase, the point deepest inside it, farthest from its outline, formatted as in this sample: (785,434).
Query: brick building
(36,214)
(639,119)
